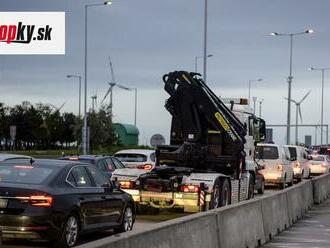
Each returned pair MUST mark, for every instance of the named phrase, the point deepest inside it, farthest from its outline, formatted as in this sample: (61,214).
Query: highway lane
(143,221)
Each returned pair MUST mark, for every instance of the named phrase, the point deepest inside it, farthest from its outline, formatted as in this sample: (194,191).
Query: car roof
(136,151)
(46,162)
(7,156)
(85,157)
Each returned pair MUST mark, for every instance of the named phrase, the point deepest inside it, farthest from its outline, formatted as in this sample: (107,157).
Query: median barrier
(241,225)
(247,224)
(275,214)
(321,188)
(199,230)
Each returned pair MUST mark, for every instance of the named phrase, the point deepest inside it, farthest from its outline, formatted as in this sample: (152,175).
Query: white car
(7,156)
(277,169)
(299,161)
(137,158)
(320,164)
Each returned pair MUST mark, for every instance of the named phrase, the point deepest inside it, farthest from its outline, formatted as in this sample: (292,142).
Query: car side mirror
(108,187)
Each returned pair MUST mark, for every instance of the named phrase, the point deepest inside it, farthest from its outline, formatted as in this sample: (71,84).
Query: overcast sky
(148,38)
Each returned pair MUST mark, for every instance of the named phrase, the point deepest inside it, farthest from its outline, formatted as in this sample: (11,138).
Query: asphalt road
(311,231)
(142,222)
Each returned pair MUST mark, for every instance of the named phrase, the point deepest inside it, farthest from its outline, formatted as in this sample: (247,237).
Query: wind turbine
(298,111)
(57,108)
(112,84)
(94,102)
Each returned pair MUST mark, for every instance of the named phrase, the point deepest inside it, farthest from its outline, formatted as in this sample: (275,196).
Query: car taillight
(145,167)
(280,167)
(38,200)
(126,184)
(324,164)
(190,188)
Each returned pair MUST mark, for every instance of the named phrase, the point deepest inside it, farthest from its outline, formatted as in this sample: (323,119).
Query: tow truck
(204,165)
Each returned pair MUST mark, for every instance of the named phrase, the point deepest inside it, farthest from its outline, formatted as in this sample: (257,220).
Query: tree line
(42,126)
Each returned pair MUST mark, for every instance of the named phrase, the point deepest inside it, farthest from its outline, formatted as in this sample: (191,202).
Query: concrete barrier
(198,230)
(248,224)
(241,226)
(275,214)
(321,188)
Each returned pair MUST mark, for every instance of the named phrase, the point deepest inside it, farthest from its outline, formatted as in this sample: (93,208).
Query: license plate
(3,203)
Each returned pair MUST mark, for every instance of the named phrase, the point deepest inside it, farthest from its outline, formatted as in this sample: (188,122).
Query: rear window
(25,174)
(318,158)
(293,152)
(267,152)
(131,157)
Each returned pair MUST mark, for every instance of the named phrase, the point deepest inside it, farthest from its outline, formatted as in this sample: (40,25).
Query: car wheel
(291,182)
(261,190)
(70,232)
(127,221)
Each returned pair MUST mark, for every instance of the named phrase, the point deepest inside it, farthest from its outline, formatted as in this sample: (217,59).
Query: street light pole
(291,35)
(200,57)
(135,107)
(254,104)
(260,106)
(322,97)
(251,81)
(85,76)
(79,77)
(205,42)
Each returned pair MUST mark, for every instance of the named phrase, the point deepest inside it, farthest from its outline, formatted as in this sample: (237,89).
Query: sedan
(137,158)
(107,164)
(59,200)
(319,164)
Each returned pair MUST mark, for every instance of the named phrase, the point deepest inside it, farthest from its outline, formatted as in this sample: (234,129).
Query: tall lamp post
(200,57)
(291,35)
(79,78)
(205,41)
(250,82)
(260,106)
(322,97)
(85,74)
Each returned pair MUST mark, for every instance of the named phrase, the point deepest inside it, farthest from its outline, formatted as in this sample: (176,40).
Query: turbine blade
(305,96)
(123,87)
(106,94)
(300,115)
(112,71)
(290,100)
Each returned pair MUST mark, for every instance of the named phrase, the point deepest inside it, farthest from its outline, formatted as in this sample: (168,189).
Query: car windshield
(25,174)
(293,153)
(267,152)
(318,158)
(131,157)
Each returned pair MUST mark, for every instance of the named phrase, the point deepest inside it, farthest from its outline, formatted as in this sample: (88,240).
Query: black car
(59,200)
(106,164)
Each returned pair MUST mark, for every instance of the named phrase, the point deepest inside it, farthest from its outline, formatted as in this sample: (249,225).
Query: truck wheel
(221,194)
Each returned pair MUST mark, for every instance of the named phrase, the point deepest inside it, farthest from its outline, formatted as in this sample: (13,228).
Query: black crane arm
(205,134)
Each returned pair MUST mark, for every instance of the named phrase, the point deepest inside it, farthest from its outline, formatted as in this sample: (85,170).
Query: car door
(89,196)
(113,202)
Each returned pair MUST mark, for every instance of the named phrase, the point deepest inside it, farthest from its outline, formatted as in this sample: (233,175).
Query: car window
(110,164)
(118,164)
(99,178)
(25,174)
(292,153)
(153,157)
(267,152)
(80,177)
(131,157)
(103,165)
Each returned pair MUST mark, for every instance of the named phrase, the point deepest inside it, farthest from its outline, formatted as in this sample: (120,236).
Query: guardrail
(248,224)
